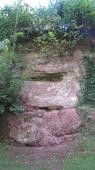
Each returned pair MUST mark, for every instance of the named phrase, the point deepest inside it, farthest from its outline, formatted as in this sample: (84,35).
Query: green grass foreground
(6,161)
(81,162)
(84,159)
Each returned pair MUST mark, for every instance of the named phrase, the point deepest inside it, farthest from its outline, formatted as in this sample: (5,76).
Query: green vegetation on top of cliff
(57,28)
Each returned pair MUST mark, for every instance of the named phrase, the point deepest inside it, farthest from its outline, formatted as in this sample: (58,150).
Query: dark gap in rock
(47,77)
(48,108)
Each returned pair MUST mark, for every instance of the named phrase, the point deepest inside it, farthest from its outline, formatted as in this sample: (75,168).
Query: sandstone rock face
(50,128)
(46,94)
(49,104)
(52,64)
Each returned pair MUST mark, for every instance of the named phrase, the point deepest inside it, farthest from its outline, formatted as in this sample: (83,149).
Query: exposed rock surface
(46,94)
(52,64)
(50,128)
(49,115)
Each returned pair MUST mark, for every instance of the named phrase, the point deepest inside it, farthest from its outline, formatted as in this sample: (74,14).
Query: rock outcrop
(44,94)
(43,127)
(49,114)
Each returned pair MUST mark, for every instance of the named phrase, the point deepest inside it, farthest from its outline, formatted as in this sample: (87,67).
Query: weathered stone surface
(49,116)
(56,82)
(52,128)
(61,122)
(49,94)
(51,64)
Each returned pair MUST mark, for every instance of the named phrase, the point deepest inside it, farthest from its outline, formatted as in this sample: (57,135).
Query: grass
(21,162)
(81,162)
(6,162)
(85,157)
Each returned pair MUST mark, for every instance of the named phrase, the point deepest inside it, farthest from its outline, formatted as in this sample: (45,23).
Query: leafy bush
(61,46)
(9,83)
(88,82)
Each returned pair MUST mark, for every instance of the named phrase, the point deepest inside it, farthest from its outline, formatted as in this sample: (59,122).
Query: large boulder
(43,128)
(46,94)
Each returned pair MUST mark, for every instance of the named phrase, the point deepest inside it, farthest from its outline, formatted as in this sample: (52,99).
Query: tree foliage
(61,25)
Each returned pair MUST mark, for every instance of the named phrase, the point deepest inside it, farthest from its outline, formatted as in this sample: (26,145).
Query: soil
(43,158)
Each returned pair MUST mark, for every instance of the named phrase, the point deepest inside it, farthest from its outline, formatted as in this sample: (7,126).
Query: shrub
(63,46)
(88,82)
(9,83)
